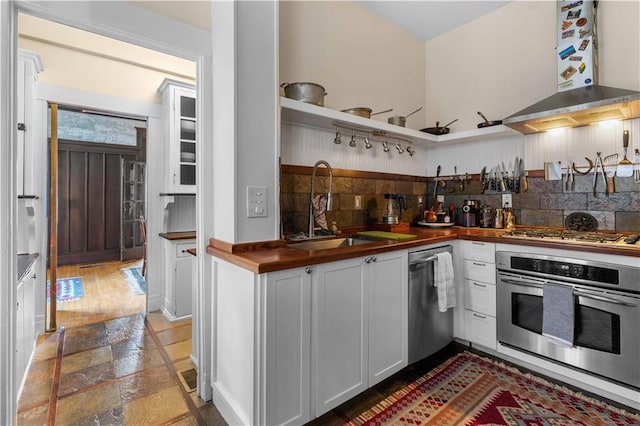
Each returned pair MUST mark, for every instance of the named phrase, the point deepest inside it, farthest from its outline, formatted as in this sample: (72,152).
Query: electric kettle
(395,204)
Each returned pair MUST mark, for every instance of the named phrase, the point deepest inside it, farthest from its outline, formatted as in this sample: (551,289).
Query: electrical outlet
(506,200)
(357,202)
(420,199)
(440,198)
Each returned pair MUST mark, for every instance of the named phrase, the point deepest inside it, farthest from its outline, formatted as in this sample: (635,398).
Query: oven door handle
(604,299)
(522,283)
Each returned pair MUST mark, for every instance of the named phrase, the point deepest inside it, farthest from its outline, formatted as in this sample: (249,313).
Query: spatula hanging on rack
(625,167)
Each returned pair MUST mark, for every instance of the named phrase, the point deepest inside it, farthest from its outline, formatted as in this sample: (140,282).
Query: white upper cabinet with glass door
(179,113)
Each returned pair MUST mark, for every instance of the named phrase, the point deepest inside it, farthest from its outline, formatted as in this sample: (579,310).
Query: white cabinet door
(481,297)
(479,250)
(178,286)
(480,271)
(287,347)
(388,303)
(481,329)
(179,114)
(183,281)
(21,364)
(339,331)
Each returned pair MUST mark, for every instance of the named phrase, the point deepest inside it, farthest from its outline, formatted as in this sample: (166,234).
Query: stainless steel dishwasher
(429,329)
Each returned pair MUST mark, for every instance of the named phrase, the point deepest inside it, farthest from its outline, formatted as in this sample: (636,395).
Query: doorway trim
(120,21)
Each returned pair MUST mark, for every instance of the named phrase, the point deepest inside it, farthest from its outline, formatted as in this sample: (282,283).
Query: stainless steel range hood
(580,100)
(577,107)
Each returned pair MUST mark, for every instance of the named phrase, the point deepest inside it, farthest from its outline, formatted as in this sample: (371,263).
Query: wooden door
(89,196)
(133,208)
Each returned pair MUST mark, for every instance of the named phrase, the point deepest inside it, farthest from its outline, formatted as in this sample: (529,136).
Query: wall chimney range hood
(576,107)
(580,101)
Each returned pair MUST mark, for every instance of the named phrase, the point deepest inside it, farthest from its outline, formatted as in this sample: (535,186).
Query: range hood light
(557,130)
(608,124)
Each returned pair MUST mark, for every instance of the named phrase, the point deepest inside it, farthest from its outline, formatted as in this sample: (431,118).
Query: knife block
(391,227)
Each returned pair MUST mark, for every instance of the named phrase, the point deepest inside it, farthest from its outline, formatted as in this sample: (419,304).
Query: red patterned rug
(472,390)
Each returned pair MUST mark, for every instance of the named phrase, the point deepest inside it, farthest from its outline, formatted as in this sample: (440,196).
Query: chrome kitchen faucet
(311,233)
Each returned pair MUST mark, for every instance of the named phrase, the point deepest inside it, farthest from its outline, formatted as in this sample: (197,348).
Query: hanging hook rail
(573,166)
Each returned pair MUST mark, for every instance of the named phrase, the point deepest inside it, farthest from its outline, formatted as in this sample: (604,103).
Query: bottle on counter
(509,219)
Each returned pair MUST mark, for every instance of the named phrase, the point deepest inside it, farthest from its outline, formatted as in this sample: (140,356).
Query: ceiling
(425,19)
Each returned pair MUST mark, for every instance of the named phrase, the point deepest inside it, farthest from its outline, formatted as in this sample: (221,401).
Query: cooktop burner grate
(563,234)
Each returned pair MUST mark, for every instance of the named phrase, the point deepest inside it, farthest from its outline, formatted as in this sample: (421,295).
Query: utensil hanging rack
(367,136)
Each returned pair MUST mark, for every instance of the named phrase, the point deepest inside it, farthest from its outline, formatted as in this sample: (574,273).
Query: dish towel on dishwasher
(443,280)
(558,314)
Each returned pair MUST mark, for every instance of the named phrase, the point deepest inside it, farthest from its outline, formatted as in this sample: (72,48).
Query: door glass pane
(187,174)
(187,152)
(526,312)
(188,130)
(187,107)
(128,235)
(596,329)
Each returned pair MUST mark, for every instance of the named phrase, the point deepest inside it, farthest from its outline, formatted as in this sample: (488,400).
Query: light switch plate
(507,200)
(357,202)
(440,198)
(257,201)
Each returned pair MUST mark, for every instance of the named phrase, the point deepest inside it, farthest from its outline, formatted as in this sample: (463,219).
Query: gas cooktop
(574,237)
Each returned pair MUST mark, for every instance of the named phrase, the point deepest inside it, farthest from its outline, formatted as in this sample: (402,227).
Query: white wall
(94,63)
(360,59)
(303,146)
(506,60)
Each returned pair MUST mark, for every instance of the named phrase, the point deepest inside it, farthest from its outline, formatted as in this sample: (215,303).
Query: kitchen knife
(524,183)
(516,175)
(503,183)
(483,178)
(435,182)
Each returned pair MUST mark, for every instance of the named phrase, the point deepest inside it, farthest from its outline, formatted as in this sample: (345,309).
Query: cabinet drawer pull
(479,285)
(308,269)
(475,243)
(373,258)
(479,264)
(479,316)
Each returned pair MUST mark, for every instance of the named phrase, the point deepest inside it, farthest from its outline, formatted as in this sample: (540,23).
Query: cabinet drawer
(480,271)
(479,250)
(481,329)
(480,297)
(181,249)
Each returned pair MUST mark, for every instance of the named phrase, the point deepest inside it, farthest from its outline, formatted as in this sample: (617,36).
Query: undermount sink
(329,243)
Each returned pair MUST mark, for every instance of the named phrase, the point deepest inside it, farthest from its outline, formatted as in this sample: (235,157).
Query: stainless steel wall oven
(606,312)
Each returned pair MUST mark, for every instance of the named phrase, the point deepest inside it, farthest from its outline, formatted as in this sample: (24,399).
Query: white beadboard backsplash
(180,215)
(302,145)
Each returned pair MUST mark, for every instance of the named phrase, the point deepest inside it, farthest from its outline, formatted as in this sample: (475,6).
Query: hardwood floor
(106,294)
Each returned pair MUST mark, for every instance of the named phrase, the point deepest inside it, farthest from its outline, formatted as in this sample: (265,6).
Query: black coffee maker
(469,215)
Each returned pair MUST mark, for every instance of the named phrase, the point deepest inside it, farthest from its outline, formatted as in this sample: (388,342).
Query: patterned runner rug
(67,289)
(136,281)
(471,390)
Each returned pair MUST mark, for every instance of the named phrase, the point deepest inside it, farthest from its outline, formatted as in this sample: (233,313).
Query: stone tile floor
(117,372)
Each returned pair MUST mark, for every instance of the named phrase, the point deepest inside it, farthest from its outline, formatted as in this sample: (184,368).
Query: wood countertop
(276,255)
(172,236)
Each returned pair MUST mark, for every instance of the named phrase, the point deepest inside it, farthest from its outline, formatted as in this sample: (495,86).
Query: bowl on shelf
(187,157)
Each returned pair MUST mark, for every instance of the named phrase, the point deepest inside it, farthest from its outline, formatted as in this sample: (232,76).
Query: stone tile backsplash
(545,204)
